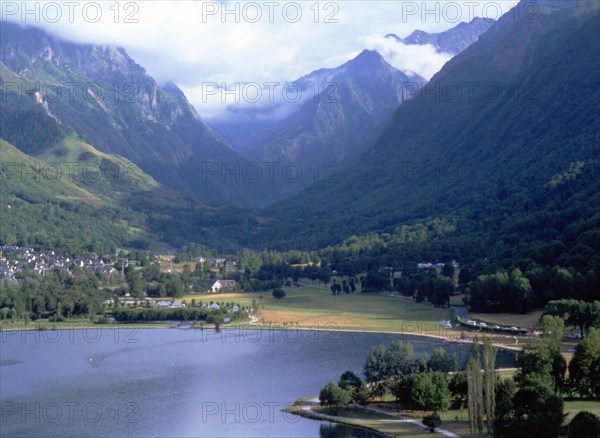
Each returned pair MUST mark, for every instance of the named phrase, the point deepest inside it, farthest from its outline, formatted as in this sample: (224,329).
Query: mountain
(343,110)
(102,95)
(70,204)
(452,41)
(503,143)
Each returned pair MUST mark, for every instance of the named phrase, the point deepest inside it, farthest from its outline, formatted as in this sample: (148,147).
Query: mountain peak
(367,59)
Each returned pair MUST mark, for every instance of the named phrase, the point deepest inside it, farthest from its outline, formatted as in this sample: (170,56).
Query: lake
(178,383)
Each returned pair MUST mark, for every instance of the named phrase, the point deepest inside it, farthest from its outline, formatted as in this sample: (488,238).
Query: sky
(200,45)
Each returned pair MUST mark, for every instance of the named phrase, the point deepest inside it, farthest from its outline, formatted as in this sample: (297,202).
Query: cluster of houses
(128,300)
(439,266)
(14,259)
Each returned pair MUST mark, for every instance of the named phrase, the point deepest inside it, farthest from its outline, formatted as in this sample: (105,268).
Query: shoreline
(304,408)
(52,326)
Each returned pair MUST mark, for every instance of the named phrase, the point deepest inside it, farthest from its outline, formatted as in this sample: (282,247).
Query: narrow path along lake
(179,383)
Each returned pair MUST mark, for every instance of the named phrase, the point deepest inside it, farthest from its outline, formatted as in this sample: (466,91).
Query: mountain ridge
(104,96)
(453,40)
(330,128)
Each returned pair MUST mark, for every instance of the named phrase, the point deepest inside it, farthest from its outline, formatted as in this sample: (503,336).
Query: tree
(459,389)
(278,293)
(441,361)
(357,388)
(352,285)
(349,380)
(503,413)
(475,393)
(216,319)
(575,313)
(538,411)
(585,365)
(430,391)
(375,282)
(333,395)
(432,421)
(325,275)
(464,276)
(345,286)
(552,328)
(442,289)
(489,382)
(584,425)
(448,270)
(501,292)
(335,288)
(136,286)
(375,369)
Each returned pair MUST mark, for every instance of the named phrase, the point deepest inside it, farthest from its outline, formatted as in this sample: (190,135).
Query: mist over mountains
(522,96)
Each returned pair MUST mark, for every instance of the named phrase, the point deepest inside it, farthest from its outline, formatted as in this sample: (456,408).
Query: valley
(432,185)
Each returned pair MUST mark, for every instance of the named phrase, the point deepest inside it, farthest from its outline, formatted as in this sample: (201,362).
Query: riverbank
(442,334)
(388,424)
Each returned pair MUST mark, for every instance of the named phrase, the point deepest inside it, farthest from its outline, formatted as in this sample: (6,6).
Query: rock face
(105,97)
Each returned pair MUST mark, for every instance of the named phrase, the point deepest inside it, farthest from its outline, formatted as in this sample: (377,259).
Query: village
(17,262)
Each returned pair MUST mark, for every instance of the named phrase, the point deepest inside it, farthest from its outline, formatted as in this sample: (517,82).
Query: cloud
(423,60)
(195,42)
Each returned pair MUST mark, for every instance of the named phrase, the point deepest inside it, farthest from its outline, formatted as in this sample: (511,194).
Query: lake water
(178,383)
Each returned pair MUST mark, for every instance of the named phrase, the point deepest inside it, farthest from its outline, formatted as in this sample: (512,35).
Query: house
(214,306)
(222,284)
(215,262)
(235,309)
(177,305)
(164,304)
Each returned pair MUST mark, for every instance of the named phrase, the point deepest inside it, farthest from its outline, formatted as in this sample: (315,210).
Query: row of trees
(55,294)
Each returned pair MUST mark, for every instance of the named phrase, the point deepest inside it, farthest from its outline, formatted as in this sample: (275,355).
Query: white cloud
(195,42)
(423,60)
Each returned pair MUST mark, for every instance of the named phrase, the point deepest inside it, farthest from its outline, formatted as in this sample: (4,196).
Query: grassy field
(72,323)
(574,406)
(314,306)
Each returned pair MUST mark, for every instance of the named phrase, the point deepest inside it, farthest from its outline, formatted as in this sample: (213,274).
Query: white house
(222,284)
(214,306)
